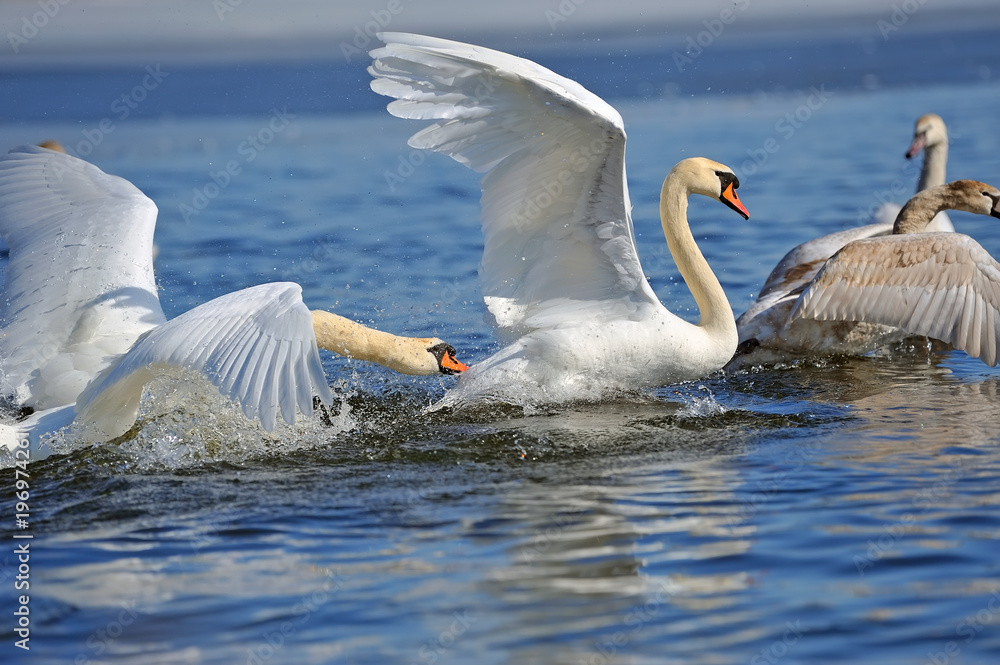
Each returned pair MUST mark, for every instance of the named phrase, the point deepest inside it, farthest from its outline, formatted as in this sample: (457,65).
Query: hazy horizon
(40,32)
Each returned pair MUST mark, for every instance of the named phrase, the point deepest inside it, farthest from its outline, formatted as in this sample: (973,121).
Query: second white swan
(560,272)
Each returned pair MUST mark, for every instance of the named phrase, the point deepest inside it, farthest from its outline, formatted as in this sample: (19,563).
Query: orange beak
(451,364)
(730,198)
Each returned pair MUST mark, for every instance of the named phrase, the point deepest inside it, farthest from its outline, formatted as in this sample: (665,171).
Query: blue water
(835,512)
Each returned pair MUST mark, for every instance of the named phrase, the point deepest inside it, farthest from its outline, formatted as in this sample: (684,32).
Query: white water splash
(698,406)
(184,421)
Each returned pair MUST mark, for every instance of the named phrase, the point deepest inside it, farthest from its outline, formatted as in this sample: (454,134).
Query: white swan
(930,135)
(560,272)
(81,328)
(877,290)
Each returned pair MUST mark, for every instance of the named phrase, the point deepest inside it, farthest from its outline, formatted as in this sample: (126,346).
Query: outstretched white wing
(79,284)
(942,285)
(559,245)
(256,345)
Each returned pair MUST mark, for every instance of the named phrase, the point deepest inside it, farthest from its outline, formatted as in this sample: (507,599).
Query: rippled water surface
(846,511)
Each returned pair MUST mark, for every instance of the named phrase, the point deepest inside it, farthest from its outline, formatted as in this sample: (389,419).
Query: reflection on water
(765,512)
(623,543)
(917,397)
(662,543)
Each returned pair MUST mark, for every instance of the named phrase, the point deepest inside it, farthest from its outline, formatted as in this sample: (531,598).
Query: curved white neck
(713,305)
(932,173)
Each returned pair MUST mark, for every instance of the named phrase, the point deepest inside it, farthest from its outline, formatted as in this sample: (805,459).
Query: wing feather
(942,285)
(798,267)
(263,355)
(233,354)
(555,207)
(79,284)
(302,372)
(987,333)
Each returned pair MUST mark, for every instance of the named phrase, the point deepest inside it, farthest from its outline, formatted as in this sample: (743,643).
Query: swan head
(971,196)
(713,179)
(930,131)
(977,197)
(968,195)
(407,355)
(444,358)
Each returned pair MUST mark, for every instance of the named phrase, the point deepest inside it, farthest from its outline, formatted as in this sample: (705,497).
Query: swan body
(878,289)
(82,331)
(763,327)
(930,135)
(560,272)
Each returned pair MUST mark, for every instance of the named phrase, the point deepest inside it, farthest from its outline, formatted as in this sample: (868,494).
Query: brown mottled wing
(942,285)
(801,263)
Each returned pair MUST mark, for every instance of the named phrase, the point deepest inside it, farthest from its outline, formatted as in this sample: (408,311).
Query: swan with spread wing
(560,272)
(82,331)
(874,291)
(800,265)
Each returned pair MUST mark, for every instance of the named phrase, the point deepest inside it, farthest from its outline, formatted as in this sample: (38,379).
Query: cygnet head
(930,131)
(974,196)
(968,195)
